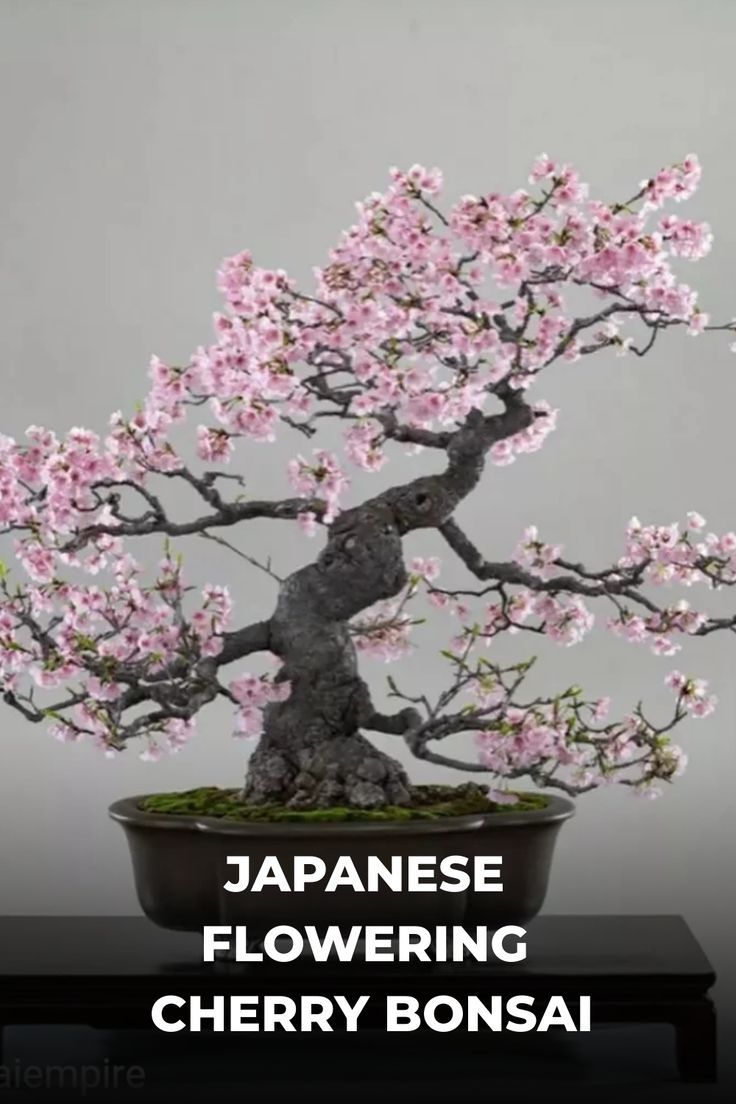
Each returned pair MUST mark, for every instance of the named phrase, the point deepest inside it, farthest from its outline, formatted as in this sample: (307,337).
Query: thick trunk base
(335,772)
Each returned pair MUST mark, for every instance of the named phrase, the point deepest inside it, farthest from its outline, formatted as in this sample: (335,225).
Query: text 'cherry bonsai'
(424,332)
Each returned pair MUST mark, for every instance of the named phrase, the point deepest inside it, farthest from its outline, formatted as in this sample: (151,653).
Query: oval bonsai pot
(180,867)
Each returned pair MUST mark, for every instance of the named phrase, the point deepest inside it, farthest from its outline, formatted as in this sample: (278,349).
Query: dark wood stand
(107,972)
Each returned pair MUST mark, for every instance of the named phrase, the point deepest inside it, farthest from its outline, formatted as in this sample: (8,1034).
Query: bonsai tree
(426,331)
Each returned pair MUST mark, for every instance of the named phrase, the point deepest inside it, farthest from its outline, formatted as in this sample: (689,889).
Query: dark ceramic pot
(180,868)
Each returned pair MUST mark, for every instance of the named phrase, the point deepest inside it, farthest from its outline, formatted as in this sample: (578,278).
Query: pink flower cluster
(363,441)
(564,618)
(175,734)
(253,694)
(321,478)
(693,694)
(383,631)
(536,556)
(656,629)
(426,568)
(548,735)
(675,552)
(686,238)
(212,620)
(677,182)
(522,739)
(527,440)
(105,641)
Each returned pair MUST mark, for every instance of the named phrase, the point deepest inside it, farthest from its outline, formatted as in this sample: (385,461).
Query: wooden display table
(107,972)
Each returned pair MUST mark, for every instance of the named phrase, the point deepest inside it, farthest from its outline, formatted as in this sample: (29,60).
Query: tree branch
(394,724)
(621,583)
(243,642)
(226,515)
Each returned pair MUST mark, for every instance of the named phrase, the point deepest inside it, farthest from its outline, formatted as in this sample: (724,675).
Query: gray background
(142,141)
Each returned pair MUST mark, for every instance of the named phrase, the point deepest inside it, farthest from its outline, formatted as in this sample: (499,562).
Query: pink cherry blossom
(307,522)
(322,477)
(383,631)
(535,555)
(428,568)
(214,445)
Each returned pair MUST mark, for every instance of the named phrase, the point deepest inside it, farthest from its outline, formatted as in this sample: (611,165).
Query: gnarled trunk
(312,752)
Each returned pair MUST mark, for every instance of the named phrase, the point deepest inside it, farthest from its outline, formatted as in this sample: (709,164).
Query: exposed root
(346,771)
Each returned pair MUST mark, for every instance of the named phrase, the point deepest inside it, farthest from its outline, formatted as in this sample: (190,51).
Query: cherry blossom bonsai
(426,331)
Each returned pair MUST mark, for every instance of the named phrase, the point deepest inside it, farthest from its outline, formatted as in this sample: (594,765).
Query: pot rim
(127,811)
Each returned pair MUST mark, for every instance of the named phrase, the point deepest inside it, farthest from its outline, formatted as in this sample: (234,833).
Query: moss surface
(429,803)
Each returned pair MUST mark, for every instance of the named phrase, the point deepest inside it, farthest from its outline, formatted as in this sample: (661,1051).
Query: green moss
(428,803)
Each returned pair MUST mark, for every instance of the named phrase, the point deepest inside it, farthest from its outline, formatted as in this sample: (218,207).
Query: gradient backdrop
(142,141)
